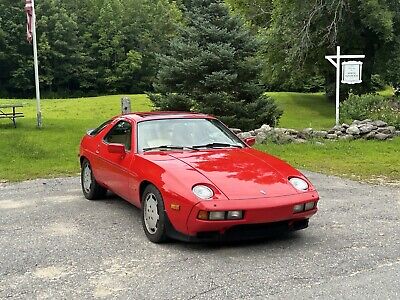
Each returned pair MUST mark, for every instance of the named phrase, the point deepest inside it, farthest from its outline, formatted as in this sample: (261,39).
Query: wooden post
(125,105)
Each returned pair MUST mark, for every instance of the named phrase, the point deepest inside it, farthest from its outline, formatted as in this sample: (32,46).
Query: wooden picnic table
(13,114)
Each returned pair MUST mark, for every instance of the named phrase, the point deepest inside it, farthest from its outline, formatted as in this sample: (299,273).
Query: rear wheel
(153,215)
(90,188)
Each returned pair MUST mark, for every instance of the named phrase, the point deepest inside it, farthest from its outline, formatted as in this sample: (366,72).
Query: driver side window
(121,133)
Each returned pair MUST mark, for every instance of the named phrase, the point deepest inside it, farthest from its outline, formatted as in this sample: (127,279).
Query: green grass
(373,161)
(27,152)
(305,110)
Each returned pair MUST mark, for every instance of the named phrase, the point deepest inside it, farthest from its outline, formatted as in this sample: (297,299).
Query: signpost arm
(337,83)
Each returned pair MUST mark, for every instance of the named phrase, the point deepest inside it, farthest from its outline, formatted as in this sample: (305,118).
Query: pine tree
(212,67)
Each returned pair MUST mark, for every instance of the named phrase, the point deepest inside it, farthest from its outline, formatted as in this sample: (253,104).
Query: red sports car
(193,178)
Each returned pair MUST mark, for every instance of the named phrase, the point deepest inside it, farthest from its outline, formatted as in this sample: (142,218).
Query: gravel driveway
(57,245)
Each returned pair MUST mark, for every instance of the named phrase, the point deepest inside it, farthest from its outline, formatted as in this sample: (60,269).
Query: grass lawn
(305,110)
(373,161)
(27,152)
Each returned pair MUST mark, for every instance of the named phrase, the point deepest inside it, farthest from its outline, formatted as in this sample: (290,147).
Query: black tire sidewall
(160,235)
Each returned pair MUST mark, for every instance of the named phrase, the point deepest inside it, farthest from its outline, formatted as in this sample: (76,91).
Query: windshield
(172,134)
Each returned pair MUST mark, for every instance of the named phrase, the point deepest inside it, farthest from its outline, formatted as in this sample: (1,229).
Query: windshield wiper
(169,147)
(217,145)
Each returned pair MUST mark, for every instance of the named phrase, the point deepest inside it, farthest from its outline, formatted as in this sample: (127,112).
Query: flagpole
(36,66)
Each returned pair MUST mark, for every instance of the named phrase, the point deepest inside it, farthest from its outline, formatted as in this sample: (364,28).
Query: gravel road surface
(55,244)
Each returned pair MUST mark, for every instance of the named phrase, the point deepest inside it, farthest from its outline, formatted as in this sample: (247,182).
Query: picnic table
(11,114)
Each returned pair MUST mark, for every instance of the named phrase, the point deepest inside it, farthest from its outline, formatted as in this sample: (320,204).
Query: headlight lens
(203,192)
(299,183)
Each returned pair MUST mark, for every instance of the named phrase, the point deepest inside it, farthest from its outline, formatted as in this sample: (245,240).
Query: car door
(117,174)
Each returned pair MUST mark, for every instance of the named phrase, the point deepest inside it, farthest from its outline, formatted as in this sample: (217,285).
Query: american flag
(29,17)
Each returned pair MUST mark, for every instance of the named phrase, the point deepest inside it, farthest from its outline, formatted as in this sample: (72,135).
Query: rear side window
(99,129)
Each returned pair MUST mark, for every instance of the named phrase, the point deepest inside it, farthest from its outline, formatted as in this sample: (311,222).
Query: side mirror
(250,141)
(116,148)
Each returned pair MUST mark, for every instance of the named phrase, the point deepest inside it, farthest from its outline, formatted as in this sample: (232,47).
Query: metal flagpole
(36,66)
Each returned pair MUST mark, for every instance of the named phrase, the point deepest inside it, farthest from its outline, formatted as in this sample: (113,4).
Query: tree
(299,34)
(212,67)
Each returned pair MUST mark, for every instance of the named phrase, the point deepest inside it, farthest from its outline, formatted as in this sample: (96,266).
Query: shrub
(371,106)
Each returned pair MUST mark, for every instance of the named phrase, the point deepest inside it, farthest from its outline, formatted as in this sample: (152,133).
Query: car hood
(241,173)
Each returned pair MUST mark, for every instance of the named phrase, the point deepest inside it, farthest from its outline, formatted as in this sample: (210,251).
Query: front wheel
(90,188)
(153,215)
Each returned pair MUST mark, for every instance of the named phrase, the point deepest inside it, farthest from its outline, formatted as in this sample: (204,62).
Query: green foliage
(85,46)
(372,106)
(212,67)
(297,35)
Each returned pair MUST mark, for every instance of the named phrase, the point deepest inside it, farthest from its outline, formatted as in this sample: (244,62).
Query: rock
(370,136)
(381,136)
(292,131)
(258,130)
(365,121)
(355,122)
(284,138)
(397,133)
(244,135)
(344,125)
(337,128)
(392,129)
(320,134)
(353,130)
(379,123)
(331,131)
(260,137)
(265,128)
(252,132)
(339,133)
(236,130)
(308,130)
(331,136)
(300,141)
(386,130)
(366,128)
(346,137)
(279,130)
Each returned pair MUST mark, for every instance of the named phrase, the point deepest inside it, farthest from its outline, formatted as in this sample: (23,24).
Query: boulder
(236,130)
(265,128)
(337,128)
(379,123)
(260,137)
(355,122)
(353,130)
(244,135)
(386,130)
(292,131)
(299,141)
(381,136)
(320,134)
(345,126)
(366,128)
(252,132)
(366,121)
(331,136)
(370,135)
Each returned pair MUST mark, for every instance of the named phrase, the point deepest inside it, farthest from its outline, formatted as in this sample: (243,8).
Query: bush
(371,106)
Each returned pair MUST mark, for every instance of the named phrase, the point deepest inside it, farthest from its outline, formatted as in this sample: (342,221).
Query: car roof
(157,115)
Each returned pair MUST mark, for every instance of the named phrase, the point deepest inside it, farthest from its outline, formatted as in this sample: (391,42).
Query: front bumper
(264,211)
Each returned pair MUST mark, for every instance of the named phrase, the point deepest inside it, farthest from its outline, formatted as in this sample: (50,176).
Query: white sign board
(351,72)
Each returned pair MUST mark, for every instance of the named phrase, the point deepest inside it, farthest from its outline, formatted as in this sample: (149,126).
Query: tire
(90,188)
(153,215)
